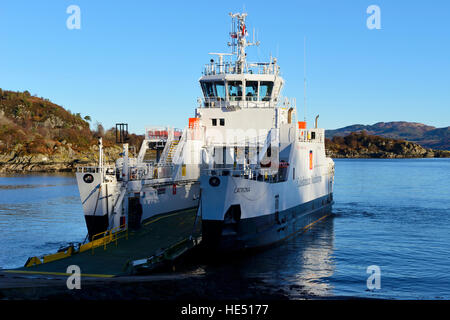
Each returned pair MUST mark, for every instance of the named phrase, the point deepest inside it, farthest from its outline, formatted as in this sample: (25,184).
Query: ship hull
(265,230)
(109,205)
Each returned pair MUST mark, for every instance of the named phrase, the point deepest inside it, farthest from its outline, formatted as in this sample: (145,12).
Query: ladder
(172,149)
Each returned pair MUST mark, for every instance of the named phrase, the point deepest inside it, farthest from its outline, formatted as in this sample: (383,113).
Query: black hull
(96,224)
(264,231)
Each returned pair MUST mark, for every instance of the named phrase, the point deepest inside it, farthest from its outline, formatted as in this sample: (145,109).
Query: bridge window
(208,89)
(235,90)
(251,90)
(222,122)
(220,90)
(265,90)
(214,90)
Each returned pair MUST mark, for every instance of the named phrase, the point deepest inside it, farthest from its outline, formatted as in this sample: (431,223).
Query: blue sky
(139,61)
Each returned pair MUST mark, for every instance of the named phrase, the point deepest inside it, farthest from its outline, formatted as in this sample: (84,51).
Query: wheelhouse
(231,90)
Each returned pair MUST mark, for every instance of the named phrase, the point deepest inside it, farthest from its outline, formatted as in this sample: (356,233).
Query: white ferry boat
(260,175)
(162,179)
(266,175)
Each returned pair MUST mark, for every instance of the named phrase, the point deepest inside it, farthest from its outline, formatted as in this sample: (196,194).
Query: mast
(100,157)
(239,39)
(304,77)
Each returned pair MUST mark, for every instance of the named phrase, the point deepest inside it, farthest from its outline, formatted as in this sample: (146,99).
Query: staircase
(173,147)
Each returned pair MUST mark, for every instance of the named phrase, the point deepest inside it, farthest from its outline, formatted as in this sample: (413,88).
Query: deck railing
(270,175)
(233,68)
(107,237)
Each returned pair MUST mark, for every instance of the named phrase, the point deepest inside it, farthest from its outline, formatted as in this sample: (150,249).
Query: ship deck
(164,235)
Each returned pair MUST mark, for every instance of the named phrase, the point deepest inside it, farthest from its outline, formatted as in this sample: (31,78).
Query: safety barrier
(106,237)
(98,240)
(62,253)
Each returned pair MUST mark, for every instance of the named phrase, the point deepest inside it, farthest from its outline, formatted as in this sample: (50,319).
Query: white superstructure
(260,174)
(266,175)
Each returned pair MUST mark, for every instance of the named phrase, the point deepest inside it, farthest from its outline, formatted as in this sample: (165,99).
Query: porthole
(214,181)
(88,178)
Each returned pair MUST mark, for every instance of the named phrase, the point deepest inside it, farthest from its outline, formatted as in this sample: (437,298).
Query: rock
(62,161)
(354,146)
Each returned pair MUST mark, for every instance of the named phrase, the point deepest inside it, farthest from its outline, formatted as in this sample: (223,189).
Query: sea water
(391,214)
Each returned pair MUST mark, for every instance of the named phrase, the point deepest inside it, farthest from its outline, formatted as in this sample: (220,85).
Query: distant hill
(38,135)
(362,145)
(426,136)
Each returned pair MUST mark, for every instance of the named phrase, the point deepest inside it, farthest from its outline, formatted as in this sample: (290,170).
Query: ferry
(244,174)
(265,176)
(162,179)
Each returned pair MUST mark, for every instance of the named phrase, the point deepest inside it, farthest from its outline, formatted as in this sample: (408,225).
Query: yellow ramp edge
(60,273)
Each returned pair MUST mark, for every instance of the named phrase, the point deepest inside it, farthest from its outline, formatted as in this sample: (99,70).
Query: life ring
(266,165)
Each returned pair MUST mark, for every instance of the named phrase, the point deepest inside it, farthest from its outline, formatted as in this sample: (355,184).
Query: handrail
(109,236)
(93,169)
(233,68)
(180,149)
(215,103)
(275,102)
(271,175)
(165,152)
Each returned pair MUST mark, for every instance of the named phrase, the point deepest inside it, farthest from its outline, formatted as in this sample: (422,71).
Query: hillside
(426,136)
(38,135)
(363,145)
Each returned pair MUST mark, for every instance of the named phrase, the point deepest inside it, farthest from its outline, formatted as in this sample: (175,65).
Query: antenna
(221,65)
(304,77)
(239,42)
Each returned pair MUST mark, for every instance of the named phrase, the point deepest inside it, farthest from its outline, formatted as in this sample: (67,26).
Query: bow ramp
(124,251)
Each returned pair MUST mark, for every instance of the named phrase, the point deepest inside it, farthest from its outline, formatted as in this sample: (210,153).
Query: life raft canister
(283,164)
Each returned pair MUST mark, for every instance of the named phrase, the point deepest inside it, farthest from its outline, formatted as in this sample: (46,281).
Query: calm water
(38,214)
(391,213)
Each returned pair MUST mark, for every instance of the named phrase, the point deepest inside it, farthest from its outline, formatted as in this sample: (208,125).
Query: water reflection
(300,266)
(315,255)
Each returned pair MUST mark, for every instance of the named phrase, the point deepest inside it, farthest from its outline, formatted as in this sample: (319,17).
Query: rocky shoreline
(67,162)
(363,146)
(387,155)
(65,159)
